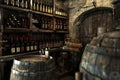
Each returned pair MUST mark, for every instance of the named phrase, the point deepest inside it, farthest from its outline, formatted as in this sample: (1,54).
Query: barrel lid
(34,58)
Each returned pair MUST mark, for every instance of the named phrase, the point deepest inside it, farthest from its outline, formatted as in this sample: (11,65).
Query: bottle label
(31,47)
(28,48)
(35,47)
(18,49)
(12,50)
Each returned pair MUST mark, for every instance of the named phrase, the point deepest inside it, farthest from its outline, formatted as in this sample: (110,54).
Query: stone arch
(81,18)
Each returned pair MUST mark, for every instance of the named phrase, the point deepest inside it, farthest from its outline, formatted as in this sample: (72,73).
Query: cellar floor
(68,78)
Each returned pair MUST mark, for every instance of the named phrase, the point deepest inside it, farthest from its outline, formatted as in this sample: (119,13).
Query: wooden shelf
(17,30)
(41,13)
(66,32)
(11,57)
(42,31)
(63,17)
(14,8)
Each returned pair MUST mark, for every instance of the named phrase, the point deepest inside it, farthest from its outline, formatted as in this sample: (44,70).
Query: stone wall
(77,9)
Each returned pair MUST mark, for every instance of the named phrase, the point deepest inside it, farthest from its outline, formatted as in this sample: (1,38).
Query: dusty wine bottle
(38,3)
(40,6)
(33,4)
(17,3)
(12,2)
(26,4)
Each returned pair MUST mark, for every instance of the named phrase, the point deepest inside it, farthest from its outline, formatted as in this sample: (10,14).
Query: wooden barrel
(101,61)
(33,67)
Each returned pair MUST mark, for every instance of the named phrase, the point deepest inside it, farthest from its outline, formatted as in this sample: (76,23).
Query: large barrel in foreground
(33,67)
(101,58)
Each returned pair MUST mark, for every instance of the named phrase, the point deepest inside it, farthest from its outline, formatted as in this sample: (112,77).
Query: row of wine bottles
(61,12)
(61,24)
(16,21)
(37,5)
(19,44)
(43,6)
(44,22)
(17,3)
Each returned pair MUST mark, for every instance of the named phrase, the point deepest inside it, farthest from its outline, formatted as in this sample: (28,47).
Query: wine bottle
(34,44)
(56,26)
(12,2)
(6,2)
(17,41)
(26,4)
(18,3)
(46,7)
(41,6)
(25,43)
(21,3)
(51,9)
(34,4)
(15,3)
(49,24)
(61,25)
(31,44)
(12,43)
(38,3)
(22,45)
(46,53)
(46,23)
(28,44)
(43,23)
(6,44)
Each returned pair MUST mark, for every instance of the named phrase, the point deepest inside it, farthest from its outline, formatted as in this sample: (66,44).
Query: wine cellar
(59,40)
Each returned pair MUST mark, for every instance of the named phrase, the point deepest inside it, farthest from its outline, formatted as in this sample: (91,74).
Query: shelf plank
(11,57)
(63,17)
(17,30)
(66,32)
(41,13)
(42,31)
(14,8)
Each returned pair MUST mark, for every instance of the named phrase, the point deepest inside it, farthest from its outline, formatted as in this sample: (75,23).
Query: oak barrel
(33,67)
(101,58)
